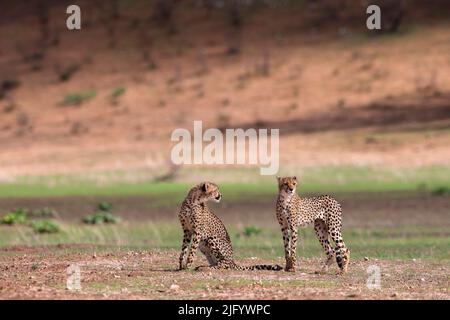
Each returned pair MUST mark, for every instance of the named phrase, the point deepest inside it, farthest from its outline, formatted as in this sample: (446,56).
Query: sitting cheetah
(294,212)
(207,231)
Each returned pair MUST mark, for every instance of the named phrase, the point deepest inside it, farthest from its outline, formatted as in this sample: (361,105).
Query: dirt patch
(39,274)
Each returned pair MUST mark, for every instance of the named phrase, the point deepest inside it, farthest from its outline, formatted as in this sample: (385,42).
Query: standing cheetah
(207,232)
(294,212)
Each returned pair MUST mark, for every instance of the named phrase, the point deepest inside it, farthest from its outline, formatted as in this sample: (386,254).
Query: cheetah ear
(278,178)
(295,178)
(205,186)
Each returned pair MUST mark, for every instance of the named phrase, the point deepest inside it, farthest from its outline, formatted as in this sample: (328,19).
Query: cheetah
(207,232)
(324,211)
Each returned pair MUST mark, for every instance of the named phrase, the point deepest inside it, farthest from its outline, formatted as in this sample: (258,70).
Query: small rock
(394,295)
(366,258)
(94,256)
(422,279)
(174,287)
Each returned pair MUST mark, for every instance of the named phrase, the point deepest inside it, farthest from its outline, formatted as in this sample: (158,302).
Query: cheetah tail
(270,267)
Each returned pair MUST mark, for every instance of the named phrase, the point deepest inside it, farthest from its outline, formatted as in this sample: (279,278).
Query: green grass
(76,98)
(324,179)
(117,92)
(384,243)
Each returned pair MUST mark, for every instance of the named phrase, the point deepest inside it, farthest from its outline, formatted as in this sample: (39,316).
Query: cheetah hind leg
(324,239)
(209,253)
(206,250)
(341,251)
(345,261)
(215,259)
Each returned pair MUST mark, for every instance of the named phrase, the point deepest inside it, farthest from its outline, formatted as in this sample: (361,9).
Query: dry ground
(405,234)
(40,273)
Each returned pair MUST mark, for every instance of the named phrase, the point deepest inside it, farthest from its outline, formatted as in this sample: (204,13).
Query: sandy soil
(40,273)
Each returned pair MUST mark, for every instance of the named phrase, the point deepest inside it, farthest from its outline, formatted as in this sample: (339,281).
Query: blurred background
(86,115)
(101,102)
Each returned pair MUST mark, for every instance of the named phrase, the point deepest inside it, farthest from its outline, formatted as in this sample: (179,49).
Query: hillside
(108,97)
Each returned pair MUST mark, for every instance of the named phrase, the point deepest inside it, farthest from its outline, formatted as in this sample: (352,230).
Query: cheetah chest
(286,209)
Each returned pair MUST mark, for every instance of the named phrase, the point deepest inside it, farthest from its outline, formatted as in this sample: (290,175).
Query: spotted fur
(324,211)
(204,230)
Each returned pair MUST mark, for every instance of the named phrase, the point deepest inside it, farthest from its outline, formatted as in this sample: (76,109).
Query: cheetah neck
(192,207)
(285,198)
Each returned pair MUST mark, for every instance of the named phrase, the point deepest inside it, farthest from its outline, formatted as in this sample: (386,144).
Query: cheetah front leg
(184,248)
(286,243)
(193,250)
(293,254)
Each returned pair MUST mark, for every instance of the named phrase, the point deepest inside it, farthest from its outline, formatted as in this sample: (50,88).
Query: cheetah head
(287,184)
(209,191)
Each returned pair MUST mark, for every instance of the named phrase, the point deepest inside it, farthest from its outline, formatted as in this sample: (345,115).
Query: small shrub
(45,226)
(441,191)
(251,231)
(78,98)
(17,216)
(100,218)
(105,206)
(117,92)
(44,213)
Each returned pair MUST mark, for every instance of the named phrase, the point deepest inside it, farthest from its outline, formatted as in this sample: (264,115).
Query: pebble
(174,287)
(366,258)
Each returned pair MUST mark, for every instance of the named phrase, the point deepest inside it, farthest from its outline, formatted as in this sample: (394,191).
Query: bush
(251,230)
(117,92)
(105,206)
(44,213)
(440,191)
(72,99)
(100,218)
(17,216)
(45,226)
